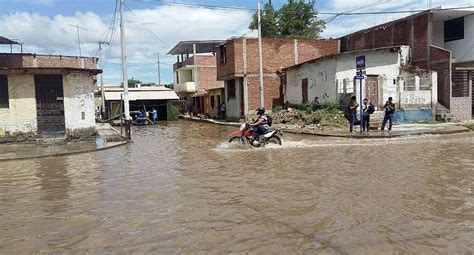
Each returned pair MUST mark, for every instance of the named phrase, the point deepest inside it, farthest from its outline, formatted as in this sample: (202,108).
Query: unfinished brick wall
(207,78)
(59,61)
(233,63)
(271,92)
(441,64)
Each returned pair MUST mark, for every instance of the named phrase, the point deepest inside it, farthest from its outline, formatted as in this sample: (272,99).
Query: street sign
(360,62)
(359,77)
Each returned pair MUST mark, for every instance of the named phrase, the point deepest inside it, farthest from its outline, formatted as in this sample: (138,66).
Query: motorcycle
(244,135)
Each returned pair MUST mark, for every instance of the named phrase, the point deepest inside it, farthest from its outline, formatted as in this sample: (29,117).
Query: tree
(268,20)
(132,82)
(298,19)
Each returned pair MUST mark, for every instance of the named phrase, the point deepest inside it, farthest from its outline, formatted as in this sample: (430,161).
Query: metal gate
(49,104)
(372,89)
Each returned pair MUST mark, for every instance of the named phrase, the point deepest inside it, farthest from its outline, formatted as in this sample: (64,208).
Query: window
(231,89)
(454,29)
(177,77)
(3,91)
(213,102)
(218,99)
(460,84)
(222,53)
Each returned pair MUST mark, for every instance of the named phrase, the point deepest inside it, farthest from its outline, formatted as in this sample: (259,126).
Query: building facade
(194,77)
(331,80)
(440,40)
(44,96)
(238,66)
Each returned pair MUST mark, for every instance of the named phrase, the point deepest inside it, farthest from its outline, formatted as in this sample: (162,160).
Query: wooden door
(372,89)
(304,90)
(49,104)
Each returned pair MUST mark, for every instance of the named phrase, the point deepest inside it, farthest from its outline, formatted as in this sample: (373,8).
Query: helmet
(260,110)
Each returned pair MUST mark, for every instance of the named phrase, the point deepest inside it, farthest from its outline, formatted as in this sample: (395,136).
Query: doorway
(49,104)
(304,90)
(372,89)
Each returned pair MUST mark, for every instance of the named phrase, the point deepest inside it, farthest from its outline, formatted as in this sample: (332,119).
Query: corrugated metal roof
(142,95)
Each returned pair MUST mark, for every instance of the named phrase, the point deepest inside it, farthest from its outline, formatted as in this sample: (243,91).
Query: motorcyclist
(260,125)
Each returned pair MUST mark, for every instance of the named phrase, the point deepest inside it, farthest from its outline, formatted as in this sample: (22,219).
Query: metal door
(304,90)
(372,89)
(49,104)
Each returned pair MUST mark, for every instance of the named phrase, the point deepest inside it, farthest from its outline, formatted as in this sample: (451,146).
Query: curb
(65,153)
(307,132)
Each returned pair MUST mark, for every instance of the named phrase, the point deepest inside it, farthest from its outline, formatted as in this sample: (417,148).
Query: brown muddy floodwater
(180,189)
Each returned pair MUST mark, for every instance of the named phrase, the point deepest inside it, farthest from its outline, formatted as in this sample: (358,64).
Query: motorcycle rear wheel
(274,140)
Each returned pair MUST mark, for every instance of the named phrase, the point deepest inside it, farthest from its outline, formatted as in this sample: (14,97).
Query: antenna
(78,38)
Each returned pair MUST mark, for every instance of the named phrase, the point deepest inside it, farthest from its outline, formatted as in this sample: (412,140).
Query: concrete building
(44,96)
(195,75)
(331,80)
(237,66)
(440,40)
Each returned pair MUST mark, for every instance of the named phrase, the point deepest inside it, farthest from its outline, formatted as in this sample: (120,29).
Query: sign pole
(360,108)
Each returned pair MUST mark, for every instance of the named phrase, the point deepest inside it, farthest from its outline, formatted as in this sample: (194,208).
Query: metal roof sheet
(204,46)
(142,95)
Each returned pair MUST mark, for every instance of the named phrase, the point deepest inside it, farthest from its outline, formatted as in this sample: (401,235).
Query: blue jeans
(258,130)
(387,117)
(366,122)
(352,118)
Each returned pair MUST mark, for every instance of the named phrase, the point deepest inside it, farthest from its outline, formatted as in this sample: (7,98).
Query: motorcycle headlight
(242,127)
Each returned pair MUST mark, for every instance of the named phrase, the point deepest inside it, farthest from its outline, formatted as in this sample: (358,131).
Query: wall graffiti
(414,99)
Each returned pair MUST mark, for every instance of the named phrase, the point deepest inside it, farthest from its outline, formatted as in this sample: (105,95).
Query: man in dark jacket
(389,108)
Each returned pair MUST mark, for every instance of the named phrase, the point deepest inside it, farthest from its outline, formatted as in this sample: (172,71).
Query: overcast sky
(43,26)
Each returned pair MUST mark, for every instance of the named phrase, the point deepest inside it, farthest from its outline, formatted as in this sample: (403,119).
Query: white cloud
(54,35)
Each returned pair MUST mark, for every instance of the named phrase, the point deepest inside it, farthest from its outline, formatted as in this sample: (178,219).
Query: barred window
(4,92)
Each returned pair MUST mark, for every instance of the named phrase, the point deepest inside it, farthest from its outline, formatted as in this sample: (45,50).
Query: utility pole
(78,38)
(260,57)
(124,74)
(102,81)
(159,75)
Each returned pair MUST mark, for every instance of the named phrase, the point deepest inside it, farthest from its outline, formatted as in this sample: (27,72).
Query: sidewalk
(107,138)
(397,130)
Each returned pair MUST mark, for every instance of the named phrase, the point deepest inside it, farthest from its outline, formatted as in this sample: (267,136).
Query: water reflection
(54,183)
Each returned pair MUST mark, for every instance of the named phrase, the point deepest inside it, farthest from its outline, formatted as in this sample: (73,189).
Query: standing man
(352,111)
(154,115)
(389,108)
(367,110)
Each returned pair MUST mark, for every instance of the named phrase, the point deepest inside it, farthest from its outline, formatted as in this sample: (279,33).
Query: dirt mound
(293,118)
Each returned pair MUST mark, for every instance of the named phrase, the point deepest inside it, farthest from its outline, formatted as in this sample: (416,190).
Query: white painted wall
(323,74)
(79,99)
(20,116)
(463,50)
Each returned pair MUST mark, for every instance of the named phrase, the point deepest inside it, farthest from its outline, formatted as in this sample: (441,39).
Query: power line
(320,13)
(112,28)
(145,26)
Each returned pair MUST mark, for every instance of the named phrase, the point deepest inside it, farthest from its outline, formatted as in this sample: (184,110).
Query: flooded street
(181,189)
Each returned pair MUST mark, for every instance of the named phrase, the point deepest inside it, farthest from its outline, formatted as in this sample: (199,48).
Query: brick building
(440,40)
(195,77)
(237,66)
(43,96)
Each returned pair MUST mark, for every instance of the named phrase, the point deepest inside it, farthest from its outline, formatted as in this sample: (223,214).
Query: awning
(142,95)
(200,93)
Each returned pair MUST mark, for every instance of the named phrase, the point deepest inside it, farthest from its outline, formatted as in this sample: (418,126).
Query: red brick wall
(271,92)
(233,63)
(206,78)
